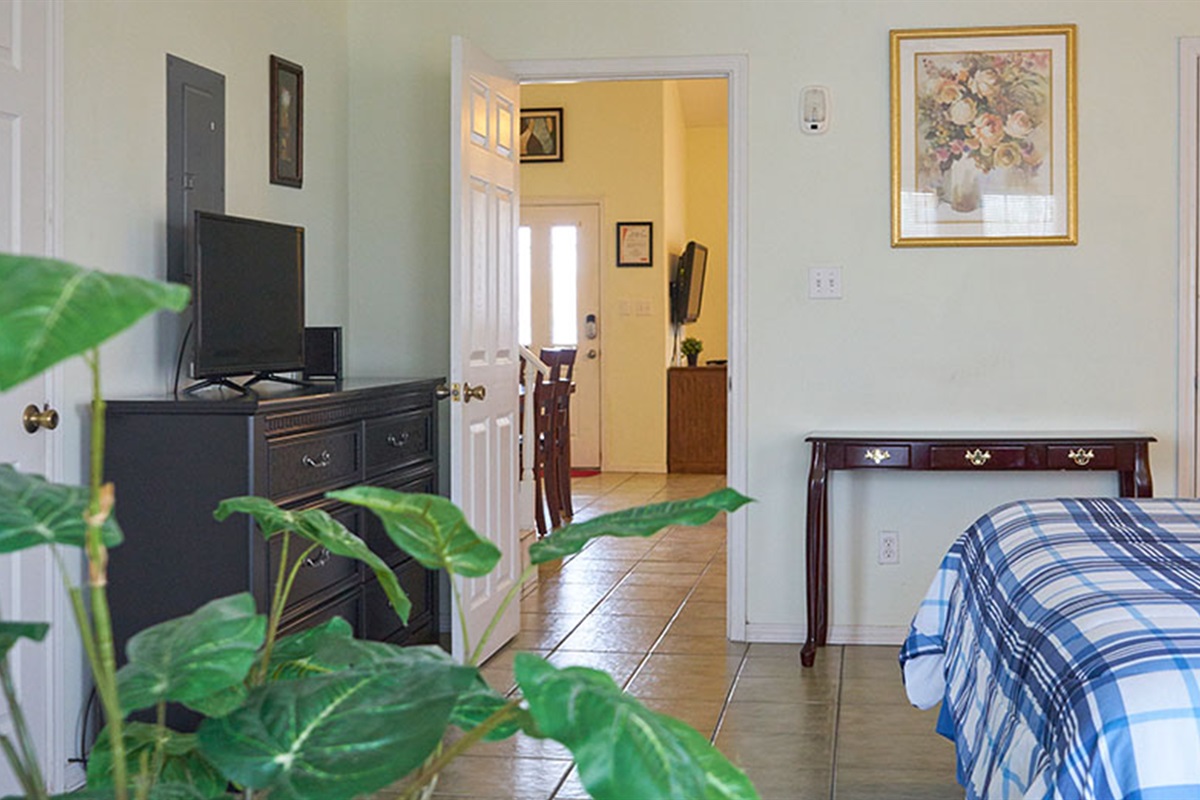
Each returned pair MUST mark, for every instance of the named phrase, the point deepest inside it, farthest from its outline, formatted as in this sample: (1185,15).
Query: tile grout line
(837,721)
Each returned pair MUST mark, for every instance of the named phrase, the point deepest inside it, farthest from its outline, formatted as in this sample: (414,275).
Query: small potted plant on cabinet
(691,348)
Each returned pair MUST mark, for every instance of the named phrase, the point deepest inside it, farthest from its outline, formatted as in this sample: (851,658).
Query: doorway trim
(1189,265)
(735,70)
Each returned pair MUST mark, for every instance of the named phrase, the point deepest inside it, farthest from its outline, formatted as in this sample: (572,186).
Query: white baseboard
(868,634)
(776,633)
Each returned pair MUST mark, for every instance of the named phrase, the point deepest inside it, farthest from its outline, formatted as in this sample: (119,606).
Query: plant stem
(469,739)
(104,664)
(462,616)
(508,598)
(29,773)
(279,597)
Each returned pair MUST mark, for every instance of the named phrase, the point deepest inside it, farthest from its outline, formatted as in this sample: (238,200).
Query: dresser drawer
(398,440)
(349,607)
(875,455)
(321,460)
(423,481)
(976,457)
(380,620)
(1090,457)
(323,573)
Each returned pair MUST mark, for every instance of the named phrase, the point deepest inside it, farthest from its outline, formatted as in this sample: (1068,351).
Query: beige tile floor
(652,613)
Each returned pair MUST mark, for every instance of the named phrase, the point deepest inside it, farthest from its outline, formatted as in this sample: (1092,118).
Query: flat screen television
(248,284)
(687,289)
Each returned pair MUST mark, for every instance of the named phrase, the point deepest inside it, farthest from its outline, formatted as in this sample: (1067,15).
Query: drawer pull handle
(877,455)
(320,462)
(977,457)
(398,441)
(318,560)
(1081,457)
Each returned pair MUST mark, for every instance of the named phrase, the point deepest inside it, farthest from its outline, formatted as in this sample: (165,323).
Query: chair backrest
(561,361)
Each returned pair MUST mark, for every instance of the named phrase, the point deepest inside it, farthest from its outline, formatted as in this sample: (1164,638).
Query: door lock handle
(34,419)
(473,392)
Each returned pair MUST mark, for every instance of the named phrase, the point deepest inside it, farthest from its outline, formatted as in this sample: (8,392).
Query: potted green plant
(691,348)
(316,714)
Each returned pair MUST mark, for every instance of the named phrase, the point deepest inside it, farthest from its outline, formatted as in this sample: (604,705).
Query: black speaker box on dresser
(323,353)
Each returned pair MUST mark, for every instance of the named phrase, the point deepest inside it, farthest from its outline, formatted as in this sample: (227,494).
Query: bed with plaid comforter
(1063,639)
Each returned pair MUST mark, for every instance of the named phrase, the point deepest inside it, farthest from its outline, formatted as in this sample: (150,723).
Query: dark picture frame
(541,134)
(635,244)
(287,123)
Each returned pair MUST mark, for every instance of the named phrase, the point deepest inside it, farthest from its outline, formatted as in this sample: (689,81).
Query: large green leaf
(193,657)
(316,525)
(339,735)
(429,528)
(622,749)
(183,764)
(11,632)
(34,511)
(331,647)
(640,521)
(480,703)
(51,310)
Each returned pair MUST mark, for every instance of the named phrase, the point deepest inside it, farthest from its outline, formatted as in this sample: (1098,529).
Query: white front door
(559,257)
(484,358)
(30,586)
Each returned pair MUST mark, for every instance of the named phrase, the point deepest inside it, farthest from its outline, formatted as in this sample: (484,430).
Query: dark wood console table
(1127,454)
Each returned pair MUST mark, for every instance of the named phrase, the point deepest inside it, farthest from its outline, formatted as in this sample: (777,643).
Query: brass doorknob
(46,418)
(441,391)
(473,392)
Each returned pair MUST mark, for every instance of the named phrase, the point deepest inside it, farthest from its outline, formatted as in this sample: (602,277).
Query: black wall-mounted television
(687,288)
(248,284)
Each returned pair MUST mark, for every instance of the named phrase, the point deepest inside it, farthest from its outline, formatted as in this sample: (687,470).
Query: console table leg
(816,555)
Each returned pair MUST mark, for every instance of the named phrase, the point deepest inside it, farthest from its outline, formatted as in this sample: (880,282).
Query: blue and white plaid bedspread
(1064,638)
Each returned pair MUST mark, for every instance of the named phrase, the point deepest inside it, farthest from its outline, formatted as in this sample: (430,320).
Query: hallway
(651,612)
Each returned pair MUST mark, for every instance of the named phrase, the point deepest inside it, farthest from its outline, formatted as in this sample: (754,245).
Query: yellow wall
(613,151)
(707,223)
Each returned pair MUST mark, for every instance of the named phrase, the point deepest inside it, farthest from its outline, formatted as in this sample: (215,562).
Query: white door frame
(735,70)
(1187,483)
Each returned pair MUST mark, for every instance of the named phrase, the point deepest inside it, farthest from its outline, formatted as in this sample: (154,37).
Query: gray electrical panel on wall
(195,155)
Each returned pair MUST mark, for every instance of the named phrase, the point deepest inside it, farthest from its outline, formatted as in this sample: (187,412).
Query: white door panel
(30,587)
(483,342)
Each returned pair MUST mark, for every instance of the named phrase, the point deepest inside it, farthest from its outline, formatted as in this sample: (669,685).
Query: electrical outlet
(825,283)
(889,547)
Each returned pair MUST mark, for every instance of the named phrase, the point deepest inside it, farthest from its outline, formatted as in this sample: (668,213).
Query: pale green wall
(953,338)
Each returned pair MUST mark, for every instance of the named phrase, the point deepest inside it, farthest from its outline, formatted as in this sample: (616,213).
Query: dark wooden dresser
(696,401)
(173,460)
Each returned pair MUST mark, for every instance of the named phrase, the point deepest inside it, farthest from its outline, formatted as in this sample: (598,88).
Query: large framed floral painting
(983,136)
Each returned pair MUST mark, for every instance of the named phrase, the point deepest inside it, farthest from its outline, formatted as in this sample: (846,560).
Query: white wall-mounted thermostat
(814,109)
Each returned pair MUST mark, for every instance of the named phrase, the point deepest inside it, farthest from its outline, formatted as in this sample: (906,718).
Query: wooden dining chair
(561,361)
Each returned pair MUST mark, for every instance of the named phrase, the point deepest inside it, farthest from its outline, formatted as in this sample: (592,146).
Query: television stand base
(271,376)
(244,388)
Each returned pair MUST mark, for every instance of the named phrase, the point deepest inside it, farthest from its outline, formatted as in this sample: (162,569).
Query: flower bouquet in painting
(983,126)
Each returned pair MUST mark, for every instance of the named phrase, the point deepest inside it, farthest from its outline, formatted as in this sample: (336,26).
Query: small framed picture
(541,134)
(287,123)
(635,244)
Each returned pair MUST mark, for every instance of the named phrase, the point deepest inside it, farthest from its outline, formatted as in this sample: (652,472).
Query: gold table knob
(977,457)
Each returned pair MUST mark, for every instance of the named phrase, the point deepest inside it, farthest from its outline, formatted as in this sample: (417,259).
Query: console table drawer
(974,457)
(320,460)
(873,455)
(398,440)
(1082,457)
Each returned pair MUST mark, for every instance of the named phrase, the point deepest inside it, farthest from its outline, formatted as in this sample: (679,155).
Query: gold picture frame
(983,136)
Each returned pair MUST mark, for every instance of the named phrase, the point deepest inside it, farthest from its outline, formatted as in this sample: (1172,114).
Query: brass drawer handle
(877,455)
(1081,457)
(977,457)
(398,441)
(320,462)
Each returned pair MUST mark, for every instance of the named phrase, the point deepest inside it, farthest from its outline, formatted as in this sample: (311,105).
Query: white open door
(484,169)
(30,587)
